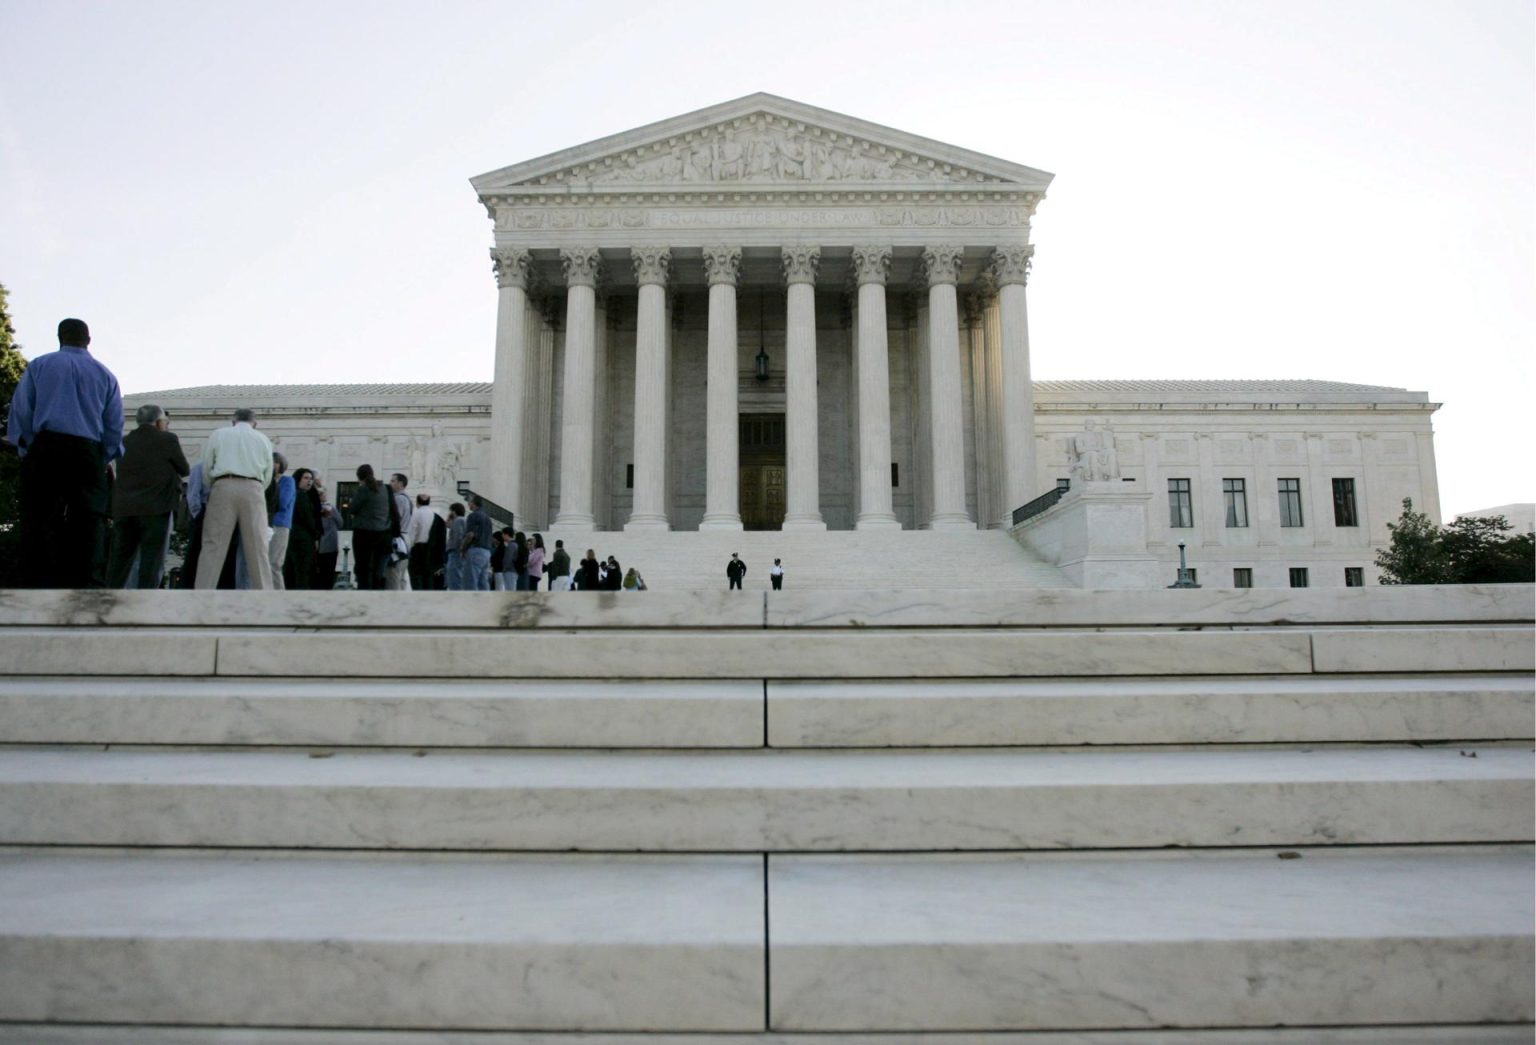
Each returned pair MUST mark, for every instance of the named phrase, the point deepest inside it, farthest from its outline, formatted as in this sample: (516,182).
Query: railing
(1038,505)
(497,513)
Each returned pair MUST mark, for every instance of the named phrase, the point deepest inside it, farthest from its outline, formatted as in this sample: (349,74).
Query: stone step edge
(753,802)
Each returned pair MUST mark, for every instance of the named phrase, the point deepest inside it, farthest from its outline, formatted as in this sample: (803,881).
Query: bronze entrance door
(761,439)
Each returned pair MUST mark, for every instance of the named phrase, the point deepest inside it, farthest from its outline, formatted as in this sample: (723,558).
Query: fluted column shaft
(803,481)
(649,511)
(503,481)
(579,391)
(722,501)
(871,264)
(1010,267)
(946,428)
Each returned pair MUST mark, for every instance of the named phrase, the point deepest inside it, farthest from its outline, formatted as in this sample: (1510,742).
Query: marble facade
(669,294)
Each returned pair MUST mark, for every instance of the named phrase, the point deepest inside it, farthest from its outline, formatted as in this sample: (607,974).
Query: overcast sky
(278,192)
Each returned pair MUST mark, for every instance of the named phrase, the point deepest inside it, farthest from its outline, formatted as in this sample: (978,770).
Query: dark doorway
(761,442)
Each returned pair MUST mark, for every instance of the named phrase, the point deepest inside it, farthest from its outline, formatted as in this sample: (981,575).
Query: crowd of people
(100,508)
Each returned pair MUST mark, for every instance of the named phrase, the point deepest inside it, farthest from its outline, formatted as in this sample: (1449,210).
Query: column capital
(1011,264)
(871,265)
(722,264)
(513,267)
(652,264)
(800,264)
(582,266)
(974,307)
(942,264)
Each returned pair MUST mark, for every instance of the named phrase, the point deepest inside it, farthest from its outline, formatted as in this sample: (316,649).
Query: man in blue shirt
(476,547)
(67,423)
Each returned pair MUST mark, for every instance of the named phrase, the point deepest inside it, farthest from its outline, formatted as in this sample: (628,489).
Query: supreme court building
(768,316)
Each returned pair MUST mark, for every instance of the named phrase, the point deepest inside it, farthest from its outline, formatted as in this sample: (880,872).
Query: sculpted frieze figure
(765,151)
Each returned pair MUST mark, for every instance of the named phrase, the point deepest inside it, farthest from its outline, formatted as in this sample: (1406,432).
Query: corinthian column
(580,390)
(649,511)
(1010,268)
(721,500)
(946,428)
(870,267)
(803,496)
(504,475)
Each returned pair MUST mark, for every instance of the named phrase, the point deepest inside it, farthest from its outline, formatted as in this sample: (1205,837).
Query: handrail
(1039,504)
(497,513)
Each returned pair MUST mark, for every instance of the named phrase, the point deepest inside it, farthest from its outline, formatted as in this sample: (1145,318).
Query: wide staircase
(989,560)
(840,818)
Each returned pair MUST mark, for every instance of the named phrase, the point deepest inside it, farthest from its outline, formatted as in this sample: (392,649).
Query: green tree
(1478,551)
(12,363)
(1415,554)
(1469,551)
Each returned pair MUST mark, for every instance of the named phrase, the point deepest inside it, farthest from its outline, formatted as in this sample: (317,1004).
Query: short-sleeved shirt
(478,526)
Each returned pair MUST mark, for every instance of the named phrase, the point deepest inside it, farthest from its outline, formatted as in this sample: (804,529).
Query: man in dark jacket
(148,486)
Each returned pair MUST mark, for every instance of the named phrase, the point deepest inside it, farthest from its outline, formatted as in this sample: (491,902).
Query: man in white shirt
(417,537)
(397,576)
(237,465)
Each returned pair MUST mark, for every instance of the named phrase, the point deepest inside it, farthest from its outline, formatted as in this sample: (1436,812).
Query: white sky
(278,192)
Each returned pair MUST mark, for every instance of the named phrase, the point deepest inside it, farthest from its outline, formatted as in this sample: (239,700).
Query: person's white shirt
(776,570)
(420,529)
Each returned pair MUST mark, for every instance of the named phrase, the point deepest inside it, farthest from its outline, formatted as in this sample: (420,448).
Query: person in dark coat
(144,497)
(304,536)
(437,553)
(587,575)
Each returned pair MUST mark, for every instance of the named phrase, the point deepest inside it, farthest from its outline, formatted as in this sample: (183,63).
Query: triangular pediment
(760,141)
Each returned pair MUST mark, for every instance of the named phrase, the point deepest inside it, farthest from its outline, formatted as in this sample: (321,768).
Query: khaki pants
(277,553)
(235,502)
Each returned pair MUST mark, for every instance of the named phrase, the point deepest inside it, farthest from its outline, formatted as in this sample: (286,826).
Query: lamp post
(1185,580)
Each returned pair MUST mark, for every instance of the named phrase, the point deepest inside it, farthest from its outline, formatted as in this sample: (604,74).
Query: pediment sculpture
(765,150)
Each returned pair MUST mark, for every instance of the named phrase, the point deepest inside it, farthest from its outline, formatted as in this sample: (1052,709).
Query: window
(1298,576)
(1063,484)
(1354,576)
(1344,503)
(1181,512)
(895,476)
(1235,491)
(1290,502)
(1242,577)
(629,477)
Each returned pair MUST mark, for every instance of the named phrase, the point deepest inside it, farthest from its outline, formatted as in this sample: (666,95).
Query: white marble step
(729,713)
(775,801)
(559,943)
(977,943)
(723,713)
(869,608)
(838,559)
(1195,710)
(966,944)
(80,1034)
(830,652)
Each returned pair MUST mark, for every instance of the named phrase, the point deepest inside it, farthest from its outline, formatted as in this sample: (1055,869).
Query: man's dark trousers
(63,503)
(144,534)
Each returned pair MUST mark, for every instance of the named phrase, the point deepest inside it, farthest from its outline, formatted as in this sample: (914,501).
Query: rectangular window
(629,477)
(1236,493)
(1181,511)
(1063,484)
(1344,503)
(1298,576)
(1242,577)
(1354,576)
(895,476)
(1290,502)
